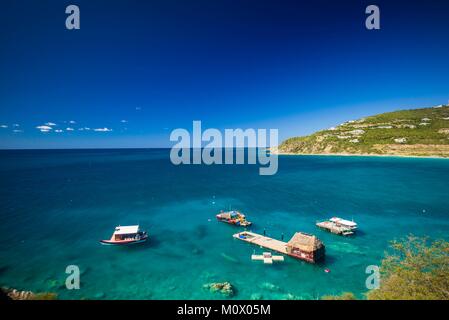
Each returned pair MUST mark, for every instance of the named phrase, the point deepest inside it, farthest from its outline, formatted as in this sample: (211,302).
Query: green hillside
(418,132)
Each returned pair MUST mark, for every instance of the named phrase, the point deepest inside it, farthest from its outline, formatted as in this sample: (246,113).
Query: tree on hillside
(415,270)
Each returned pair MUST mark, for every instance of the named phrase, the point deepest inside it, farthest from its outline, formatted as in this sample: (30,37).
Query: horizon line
(117,148)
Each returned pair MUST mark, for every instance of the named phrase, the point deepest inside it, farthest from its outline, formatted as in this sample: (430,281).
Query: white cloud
(16,125)
(123,121)
(86,128)
(103,130)
(41,128)
(17,131)
(3,126)
(72,122)
(50,124)
(70,129)
(44,128)
(58,130)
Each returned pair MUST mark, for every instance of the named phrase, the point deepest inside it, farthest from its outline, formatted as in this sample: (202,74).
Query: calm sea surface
(56,205)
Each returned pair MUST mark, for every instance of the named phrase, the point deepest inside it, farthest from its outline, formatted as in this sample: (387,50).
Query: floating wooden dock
(262,241)
(301,246)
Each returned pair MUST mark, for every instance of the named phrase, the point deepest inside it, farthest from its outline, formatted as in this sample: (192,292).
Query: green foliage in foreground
(415,270)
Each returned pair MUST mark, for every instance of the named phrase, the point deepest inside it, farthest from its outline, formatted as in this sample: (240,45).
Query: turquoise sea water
(56,205)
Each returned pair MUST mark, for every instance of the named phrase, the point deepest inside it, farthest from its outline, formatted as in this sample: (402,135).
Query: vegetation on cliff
(418,132)
(416,269)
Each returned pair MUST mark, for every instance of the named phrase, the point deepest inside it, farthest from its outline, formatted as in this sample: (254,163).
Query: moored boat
(126,235)
(338,226)
(233,217)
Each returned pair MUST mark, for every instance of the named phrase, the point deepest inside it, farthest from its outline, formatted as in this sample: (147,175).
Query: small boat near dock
(126,235)
(338,226)
(233,217)
(301,246)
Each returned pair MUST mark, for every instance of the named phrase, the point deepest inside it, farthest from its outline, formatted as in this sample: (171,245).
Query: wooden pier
(301,246)
(262,241)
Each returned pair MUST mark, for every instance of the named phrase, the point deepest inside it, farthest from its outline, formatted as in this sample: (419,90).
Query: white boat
(338,226)
(126,235)
(344,223)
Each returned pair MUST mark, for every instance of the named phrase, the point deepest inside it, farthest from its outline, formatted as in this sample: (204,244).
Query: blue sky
(298,66)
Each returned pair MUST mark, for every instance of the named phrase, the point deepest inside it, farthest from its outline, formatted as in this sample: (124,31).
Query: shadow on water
(153,242)
(200,231)
(358,233)
(278,266)
(323,234)
(327,261)
(150,243)
(4,269)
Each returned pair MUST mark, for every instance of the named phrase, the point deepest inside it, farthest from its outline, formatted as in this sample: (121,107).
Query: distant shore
(356,155)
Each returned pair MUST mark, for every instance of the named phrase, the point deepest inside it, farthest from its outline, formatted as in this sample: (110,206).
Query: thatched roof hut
(304,242)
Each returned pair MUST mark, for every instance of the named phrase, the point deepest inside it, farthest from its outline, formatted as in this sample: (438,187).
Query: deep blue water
(56,205)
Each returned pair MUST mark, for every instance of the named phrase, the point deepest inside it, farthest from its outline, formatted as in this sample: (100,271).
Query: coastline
(356,155)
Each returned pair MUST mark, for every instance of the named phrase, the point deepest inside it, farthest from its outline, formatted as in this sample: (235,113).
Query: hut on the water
(306,247)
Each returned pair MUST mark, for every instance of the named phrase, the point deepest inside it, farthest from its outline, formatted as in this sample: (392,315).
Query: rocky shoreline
(281,153)
(14,294)
(224,288)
